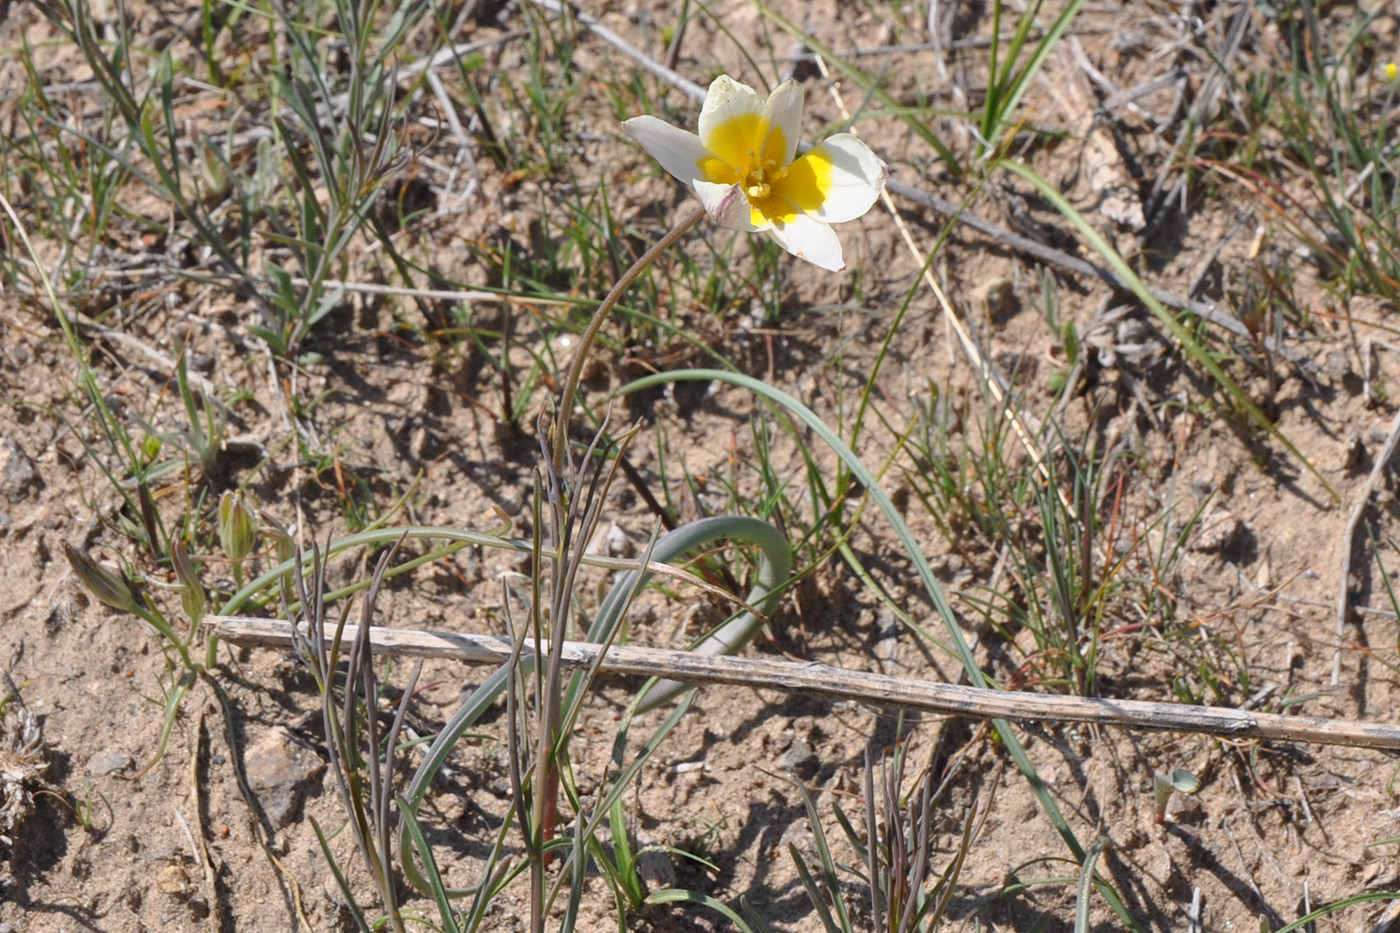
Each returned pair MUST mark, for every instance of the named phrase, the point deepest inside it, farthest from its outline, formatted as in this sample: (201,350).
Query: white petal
(811,240)
(726,205)
(726,100)
(785,116)
(678,152)
(847,173)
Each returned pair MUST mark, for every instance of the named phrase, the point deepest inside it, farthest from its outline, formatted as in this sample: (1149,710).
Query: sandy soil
(105,837)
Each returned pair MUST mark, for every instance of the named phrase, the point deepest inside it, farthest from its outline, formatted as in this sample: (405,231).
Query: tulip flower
(745,169)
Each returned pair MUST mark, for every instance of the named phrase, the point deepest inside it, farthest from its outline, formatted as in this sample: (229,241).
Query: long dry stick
(875,689)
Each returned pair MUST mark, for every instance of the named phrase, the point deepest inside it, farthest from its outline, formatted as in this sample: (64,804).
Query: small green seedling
(1163,786)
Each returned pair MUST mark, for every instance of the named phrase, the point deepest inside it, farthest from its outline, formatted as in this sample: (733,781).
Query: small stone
(996,298)
(955,570)
(1218,530)
(1383,880)
(175,881)
(1354,460)
(613,543)
(656,869)
(108,761)
(453,807)
(1337,363)
(798,834)
(799,759)
(281,771)
(617,543)
(18,479)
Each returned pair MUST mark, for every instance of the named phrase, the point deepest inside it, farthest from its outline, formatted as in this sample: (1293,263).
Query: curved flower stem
(566,398)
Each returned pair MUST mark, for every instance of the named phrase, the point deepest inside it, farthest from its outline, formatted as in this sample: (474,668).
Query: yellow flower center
(758,184)
(748,151)
(745,150)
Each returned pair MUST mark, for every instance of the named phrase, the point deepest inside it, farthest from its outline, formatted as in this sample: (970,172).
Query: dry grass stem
(875,689)
(989,377)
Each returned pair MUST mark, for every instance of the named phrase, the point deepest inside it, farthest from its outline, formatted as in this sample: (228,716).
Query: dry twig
(875,689)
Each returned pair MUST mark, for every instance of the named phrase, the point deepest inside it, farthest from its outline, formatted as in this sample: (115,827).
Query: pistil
(757,184)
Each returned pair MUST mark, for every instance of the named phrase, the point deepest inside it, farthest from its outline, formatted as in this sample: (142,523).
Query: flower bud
(109,588)
(283,547)
(192,596)
(236,526)
(150,448)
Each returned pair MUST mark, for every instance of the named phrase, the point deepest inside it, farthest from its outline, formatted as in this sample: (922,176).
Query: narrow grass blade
(625,777)
(1330,909)
(430,869)
(814,892)
(1011,89)
(823,847)
(341,882)
(867,84)
(172,709)
(675,896)
(1086,885)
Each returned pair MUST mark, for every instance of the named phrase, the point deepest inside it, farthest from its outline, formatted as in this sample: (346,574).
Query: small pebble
(18,478)
(655,868)
(1218,530)
(281,773)
(108,761)
(799,759)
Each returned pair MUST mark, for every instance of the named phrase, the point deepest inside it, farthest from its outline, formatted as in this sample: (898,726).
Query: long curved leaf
(925,572)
